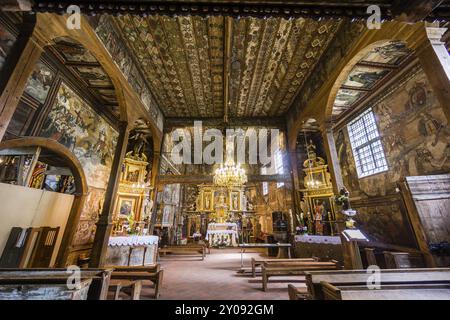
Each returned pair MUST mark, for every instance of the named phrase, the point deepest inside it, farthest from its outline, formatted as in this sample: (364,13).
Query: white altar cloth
(133,241)
(211,234)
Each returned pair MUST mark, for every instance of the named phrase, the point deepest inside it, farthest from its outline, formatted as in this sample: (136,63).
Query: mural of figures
(7,41)
(365,77)
(39,83)
(74,124)
(392,52)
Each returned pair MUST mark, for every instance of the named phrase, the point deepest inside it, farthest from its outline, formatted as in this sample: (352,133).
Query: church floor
(215,278)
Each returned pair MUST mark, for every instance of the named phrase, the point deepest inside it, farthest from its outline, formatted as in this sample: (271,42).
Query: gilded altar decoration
(133,196)
(318,193)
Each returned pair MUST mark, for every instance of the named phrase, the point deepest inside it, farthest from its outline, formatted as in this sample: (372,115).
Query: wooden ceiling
(187,63)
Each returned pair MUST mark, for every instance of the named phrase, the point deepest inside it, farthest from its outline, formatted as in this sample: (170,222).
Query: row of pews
(389,284)
(289,268)
(78,284)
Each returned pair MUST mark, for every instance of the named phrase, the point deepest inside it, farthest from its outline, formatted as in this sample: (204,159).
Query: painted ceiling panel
(183,60)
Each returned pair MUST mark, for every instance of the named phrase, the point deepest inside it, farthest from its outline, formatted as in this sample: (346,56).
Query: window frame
(371,143)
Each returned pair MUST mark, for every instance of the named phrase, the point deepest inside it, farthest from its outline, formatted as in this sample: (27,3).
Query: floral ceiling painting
(75,125)
(183,61)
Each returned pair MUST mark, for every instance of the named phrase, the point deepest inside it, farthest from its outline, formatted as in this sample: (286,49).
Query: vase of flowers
(343,200)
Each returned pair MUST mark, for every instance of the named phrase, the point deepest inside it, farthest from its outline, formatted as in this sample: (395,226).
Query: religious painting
(7,41)
(346,98)
(93,204)
(39,83)
(166,218)
(365,77)
(73,123)
(391,52)
(126,206)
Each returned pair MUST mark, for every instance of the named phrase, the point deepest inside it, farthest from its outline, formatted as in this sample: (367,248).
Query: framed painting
(126,206)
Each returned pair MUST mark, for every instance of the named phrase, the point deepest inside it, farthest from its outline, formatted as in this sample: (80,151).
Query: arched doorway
(54,153)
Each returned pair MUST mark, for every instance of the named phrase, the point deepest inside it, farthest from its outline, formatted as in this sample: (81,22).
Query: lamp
(230,175)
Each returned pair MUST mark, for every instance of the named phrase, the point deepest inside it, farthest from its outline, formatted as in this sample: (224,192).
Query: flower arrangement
(343,199)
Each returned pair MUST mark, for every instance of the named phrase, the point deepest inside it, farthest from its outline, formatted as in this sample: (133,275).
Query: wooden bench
(153,274)
(258,262)
(361,277)
(134,286)
(387,292)
(276,269)
(296,293)
(185,250)
(95,283)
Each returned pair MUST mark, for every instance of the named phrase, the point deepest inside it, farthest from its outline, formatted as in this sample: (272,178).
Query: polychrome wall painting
(7,41)
(39,83)
(414,133)
(89,215)
(74,124)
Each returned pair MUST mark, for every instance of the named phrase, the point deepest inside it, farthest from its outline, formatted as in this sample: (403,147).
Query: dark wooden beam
(271,122)
(208,179)
(217,7)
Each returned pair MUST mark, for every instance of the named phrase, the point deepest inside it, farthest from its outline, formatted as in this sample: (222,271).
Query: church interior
(276,150)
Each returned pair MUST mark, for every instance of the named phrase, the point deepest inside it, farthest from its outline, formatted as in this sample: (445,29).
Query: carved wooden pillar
(332,157)
(20,64)
(435,61)
(104,224)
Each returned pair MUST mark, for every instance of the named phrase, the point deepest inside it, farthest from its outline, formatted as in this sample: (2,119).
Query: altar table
(132,251)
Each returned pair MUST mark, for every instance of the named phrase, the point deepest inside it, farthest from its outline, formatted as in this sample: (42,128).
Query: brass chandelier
(230,175)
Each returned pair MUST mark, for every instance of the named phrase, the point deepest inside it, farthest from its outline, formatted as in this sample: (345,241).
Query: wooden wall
(415,135)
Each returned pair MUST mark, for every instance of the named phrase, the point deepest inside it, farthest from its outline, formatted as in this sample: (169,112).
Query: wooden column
(156,188)
(435,61)
(332,158)
(295,185)
(20,64)
(104,224)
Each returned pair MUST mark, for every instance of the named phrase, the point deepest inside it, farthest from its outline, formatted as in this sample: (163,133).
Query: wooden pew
(134,286)
(387,292)
(402,260)
(387,277)
(187,250)
(259,262)
(33,281)
(296,293)
(153,274)
(274,269)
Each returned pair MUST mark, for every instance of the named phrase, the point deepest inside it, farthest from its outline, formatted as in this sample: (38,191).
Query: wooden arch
(80,182)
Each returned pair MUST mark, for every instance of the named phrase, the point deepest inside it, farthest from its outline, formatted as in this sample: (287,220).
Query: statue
(311,150)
